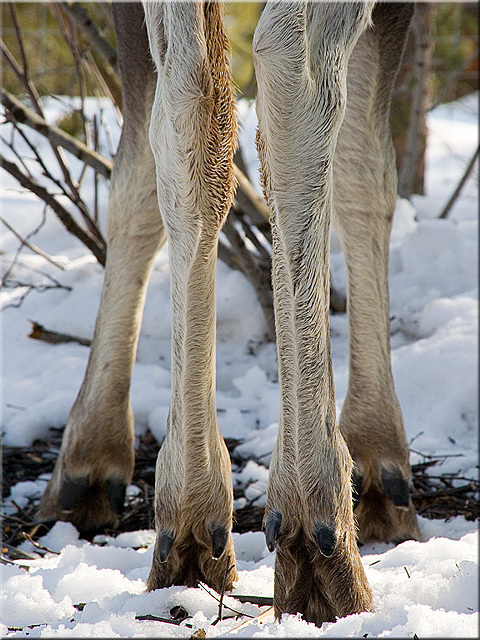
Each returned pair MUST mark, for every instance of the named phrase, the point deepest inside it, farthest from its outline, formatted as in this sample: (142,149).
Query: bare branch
(254,200)
(19,113)
(14,261)
(22,74)
(18,33)
(97,247)
(257,271)
(86,24)
(54,337)
(456,193)
(416,133)
(31,246)
(92,68)
(452,78)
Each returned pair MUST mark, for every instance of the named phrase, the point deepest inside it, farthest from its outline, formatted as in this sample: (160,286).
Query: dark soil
(441,496)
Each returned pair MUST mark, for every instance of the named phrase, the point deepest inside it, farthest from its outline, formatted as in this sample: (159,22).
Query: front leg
(193,131)
(301,55)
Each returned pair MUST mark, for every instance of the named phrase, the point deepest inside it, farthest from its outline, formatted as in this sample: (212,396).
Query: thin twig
(456,193)
(451,79)
(149,616)
(93,243)
(37,545)
(224,583)
(4,560)
(22,78)
(86,24)
(260,601)
(438,456)
(16,26)
(202,586)
(20,247)
(31,246)
(92,67)
(19,113)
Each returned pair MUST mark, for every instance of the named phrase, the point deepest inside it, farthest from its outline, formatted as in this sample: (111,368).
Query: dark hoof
(164,544)
(272,528)
(219,535)
(72,493)
(116,495)
(395,487)
(326,537)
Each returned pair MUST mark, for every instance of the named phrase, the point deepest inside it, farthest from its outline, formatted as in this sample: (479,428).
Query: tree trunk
(411,178)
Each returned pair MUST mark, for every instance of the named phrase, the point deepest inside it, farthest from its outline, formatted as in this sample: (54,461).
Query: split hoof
(187,558)
(320,576)
(91,507)
(383,509)
(326,537)
(395,486)
(219,535)
(272,528)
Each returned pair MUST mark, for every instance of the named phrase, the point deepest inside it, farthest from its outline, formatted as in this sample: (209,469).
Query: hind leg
(364,201)
(96,459)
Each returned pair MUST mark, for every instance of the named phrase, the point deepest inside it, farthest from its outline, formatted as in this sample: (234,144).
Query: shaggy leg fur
(365,187)
(301,53)
(193,137)
(96,460)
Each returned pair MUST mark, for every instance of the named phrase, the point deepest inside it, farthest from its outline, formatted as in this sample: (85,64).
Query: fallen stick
(261,601)
(265,616)
(429,495)
(53,337)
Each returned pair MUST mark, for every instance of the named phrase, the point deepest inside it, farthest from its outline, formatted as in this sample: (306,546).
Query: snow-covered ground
(426,588)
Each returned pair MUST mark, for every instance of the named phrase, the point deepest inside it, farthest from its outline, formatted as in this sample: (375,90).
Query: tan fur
(98,439)
(319,152)
(301,65)
(365,189)
(193,130)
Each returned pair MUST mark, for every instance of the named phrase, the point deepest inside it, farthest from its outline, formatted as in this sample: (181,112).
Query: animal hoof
(116,495)
(164,544)
(272,528)
(72,492)
(326,537)
(357,488)
(219,535)
(395,487)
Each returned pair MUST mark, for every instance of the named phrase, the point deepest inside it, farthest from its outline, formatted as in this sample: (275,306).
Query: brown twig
(149,616)
(260,601)
(86,24)
(93,243)
(31,246)
(74,194)
(224,582)
(258,271)
(18,113)
(202,586)
(54,337)
(453,198)
(28,537)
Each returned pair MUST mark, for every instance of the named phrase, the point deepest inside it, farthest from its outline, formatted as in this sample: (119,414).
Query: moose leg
(193,130)
(301,53)
(365,187)
(96,459)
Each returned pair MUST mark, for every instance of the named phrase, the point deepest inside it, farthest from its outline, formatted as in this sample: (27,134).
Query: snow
(426,588)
